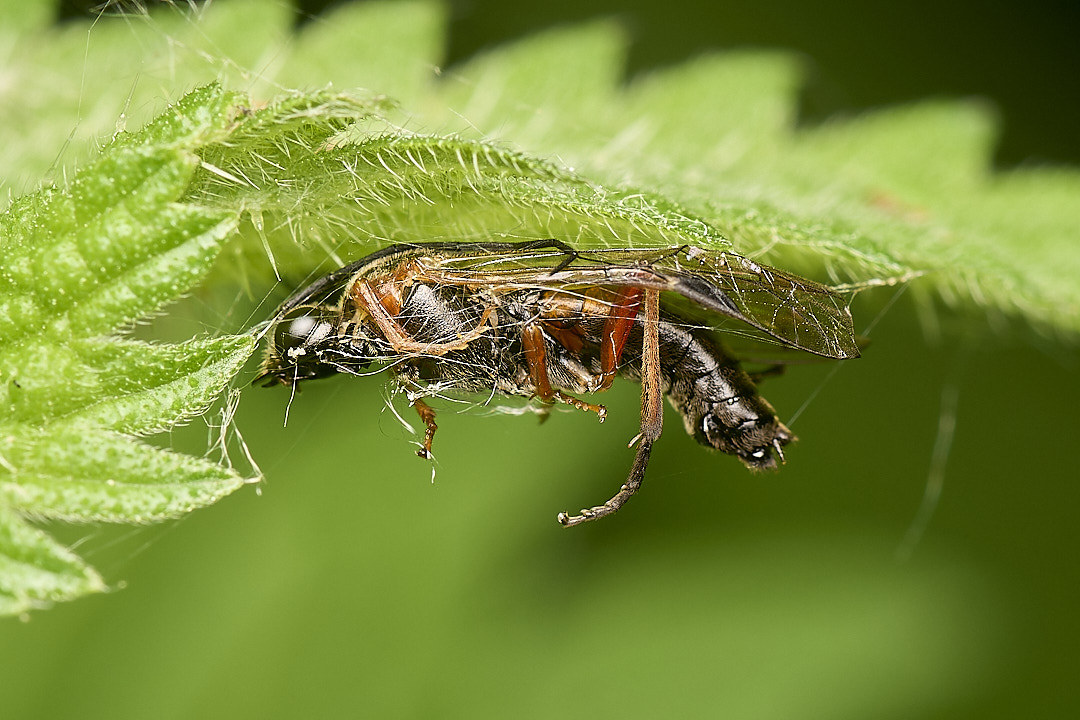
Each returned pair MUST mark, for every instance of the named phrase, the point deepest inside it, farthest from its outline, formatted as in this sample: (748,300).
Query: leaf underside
(876,199)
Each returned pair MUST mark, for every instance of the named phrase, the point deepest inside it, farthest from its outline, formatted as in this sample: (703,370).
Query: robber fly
(542,320)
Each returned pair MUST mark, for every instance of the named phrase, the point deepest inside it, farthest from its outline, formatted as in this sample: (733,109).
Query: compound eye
(301,328)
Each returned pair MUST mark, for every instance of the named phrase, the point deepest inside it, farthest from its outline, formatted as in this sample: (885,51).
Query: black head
(305,344)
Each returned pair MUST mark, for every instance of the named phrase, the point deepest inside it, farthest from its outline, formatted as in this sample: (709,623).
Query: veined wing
(798,312)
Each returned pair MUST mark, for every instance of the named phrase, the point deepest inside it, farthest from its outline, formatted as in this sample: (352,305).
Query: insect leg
(427,416)
(532,340)
(619,308)
(367,298)
(617,328)
(652,416)
(652,391)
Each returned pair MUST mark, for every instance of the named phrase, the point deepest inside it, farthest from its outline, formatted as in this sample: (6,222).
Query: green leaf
(125,386)
(402,42)
(94,476)
(109,248)
(376,186)
(886,197)
(703,153)
(80,261)
(35,570)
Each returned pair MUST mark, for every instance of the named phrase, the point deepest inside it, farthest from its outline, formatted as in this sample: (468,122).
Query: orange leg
(427,416)
(652,416)
(367,297)
(621,307)
(617,328)
(532,340)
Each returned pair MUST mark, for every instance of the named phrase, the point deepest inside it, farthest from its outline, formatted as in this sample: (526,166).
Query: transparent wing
(792,310)
(797,311)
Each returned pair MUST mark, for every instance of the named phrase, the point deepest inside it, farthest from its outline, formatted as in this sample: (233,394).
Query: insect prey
(543,321)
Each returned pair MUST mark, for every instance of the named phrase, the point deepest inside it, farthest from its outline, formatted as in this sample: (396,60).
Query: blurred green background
(351,586)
